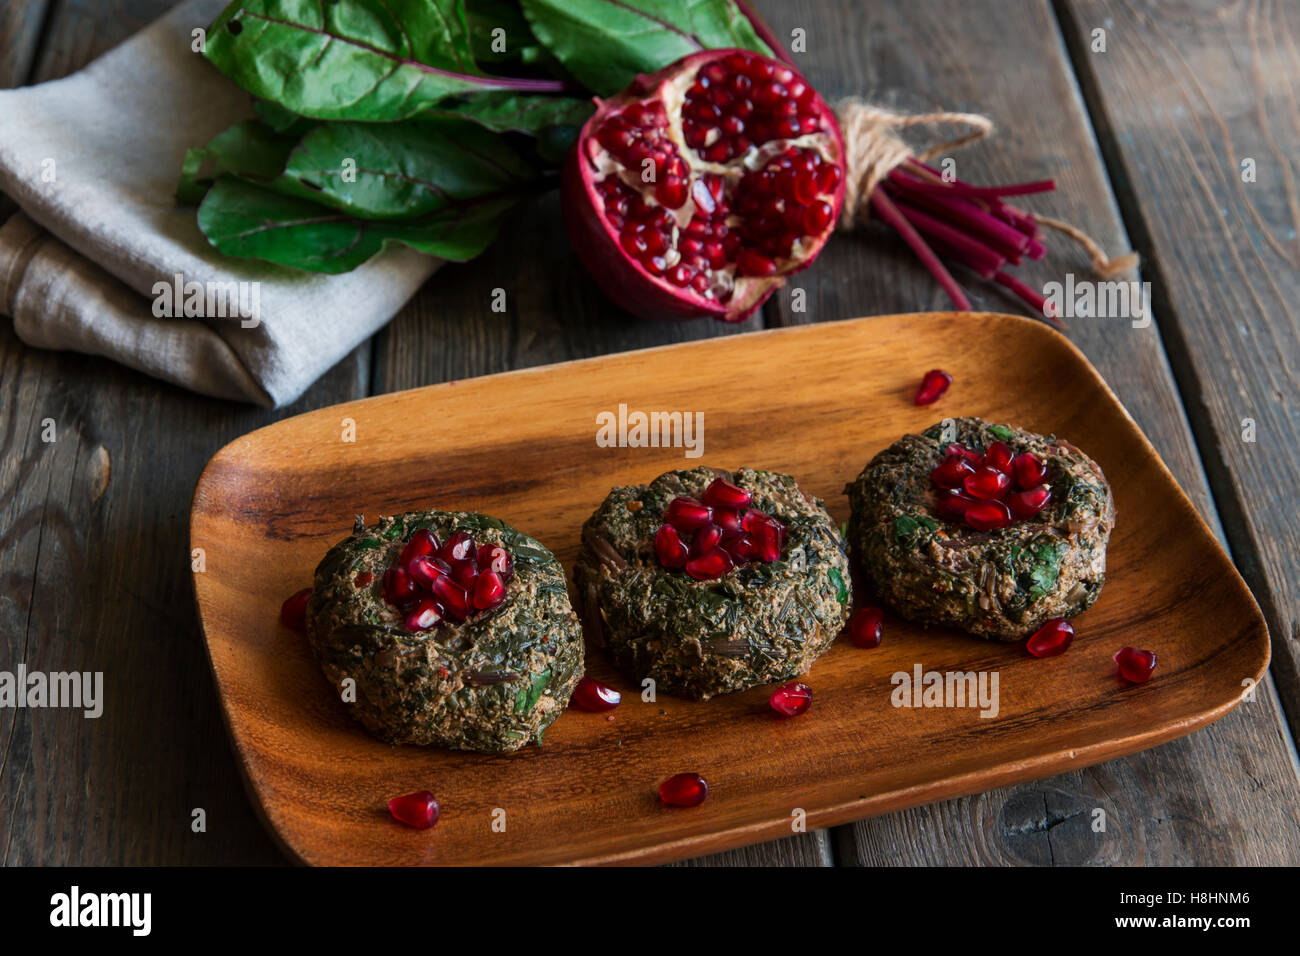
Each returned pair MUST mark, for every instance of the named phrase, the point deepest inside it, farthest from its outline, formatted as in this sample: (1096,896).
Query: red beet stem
(1008,240)
(968,248)
(887,211)
(1029,295)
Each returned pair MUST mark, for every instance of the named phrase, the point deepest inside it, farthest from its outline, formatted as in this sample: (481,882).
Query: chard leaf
(526,698)
(841,589)
(402,170)
(507,112)
(606,43)
(281,120)
(1046,569)
(248,149)
(251,221)
(1000,431)
(372,60)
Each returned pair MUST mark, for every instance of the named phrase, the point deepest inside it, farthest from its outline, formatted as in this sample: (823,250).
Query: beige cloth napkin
(92,161)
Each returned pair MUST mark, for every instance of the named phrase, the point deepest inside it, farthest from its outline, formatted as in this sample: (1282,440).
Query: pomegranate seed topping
(489,590)
(1026,504)
(705,540)
(493,557)
(998,455)
(1028,470)
(791,700)
(687,514)
(1051,639)
(961,451)
(459,547)
(465,573)
(710,566)
(670,549)
(951,504)
(986,482)
(751,520)
(425,615)
(399,589)
(419,809)
(742,548)
(728,520)
(363,580)
(454,597)
(293,612)
(951,472)
(987,515)
(595,696)
(723,494)
(423,569)
(684,790)
(1135,665)
(768,540)
(933,384)
(422,542)
(865,627)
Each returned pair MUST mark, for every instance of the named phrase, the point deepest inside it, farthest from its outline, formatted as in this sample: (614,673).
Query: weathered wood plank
(1009,62)
(1197,113)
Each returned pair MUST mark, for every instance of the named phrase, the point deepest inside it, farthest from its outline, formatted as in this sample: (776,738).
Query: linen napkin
(93,160)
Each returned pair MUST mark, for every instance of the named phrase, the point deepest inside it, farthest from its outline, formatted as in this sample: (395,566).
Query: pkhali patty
(758,623)
(492,682)
(1001,584)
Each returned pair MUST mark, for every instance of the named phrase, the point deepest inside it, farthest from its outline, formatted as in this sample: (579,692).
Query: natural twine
(873,149)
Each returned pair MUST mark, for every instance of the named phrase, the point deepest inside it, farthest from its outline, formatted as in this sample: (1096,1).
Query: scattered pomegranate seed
(866,626)
(791,700)
(1051,639)
(986,482)
(988,515)
(933,384)
(419,809)
(1028,470)
(684,790)
(723,494)
(595,696)
(293,612)
(998,455)
(1135,665)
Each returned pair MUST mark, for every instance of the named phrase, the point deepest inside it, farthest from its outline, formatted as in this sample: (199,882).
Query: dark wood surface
(1144,140)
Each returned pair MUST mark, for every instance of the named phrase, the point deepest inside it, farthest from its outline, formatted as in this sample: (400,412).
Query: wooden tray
(815,401)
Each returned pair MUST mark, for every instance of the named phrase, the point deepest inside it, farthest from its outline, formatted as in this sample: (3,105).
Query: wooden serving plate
(814,401)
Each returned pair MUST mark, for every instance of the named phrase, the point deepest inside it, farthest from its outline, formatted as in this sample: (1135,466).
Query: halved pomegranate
(697,190)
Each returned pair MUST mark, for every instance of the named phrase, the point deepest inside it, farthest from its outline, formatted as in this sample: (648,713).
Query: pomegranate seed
(419,809)
(454,597)
(422,542)
(742,548)
(595,696)
(1028,470)
(424,615)
(705,540)
(1026,504)
(751,519)
(951,472)
(669,547)
(465,573)
(751,263)
(961,451)
(791,700)
(710,566)
(817,216)
(1051,639)
(987,515)
(293,612)
(423,569)
(684,790)
(489,590)
(399,589)
(363,580)
(459,547)
(687,514)
(933,384)
(768,540)
(728,520)
(998,455)
(1135,666)
(986,482)
(951,504)
(865,627)
(493,557)
(723,494)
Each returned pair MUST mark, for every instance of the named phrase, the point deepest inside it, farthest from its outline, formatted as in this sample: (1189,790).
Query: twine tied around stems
(874,149)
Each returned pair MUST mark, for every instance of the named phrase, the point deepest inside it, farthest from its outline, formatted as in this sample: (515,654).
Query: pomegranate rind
(1001,583)
(596,241)
(662,624)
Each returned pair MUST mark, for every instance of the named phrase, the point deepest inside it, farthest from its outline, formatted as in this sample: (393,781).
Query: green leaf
(1046,569)
(526,698)
(1000,431)
(249,221)
(507,112)
(841,590)
(485,17)
(372,60)
(248,149)
(908,529)
(281,120)
(402,170)
(606,43)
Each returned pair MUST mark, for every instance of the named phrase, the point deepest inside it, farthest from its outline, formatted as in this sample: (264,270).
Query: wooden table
(1147,140)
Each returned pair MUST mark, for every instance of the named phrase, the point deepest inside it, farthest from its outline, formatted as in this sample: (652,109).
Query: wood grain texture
(270,504)
(1184,95)
(1008,60)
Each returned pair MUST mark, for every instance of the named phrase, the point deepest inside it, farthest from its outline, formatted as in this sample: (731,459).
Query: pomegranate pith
(791,700)
(419,809)
(700,188)
(684,790)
